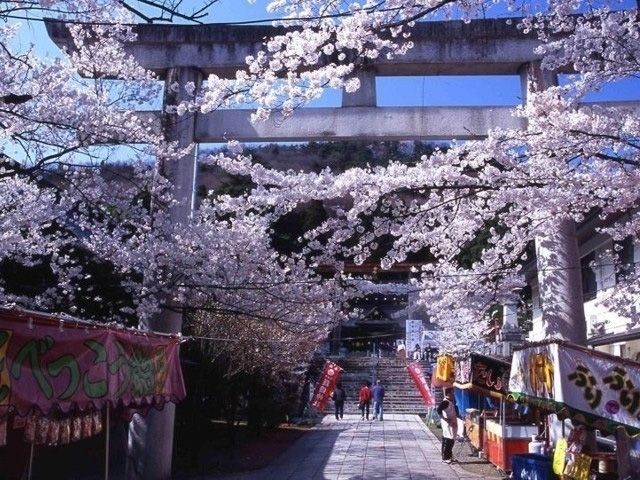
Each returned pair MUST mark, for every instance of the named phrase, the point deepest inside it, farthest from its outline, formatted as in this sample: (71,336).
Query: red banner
(327,381)
(417,375)
(50,365)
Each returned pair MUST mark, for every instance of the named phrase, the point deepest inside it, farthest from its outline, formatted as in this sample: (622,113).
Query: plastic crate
(531,466)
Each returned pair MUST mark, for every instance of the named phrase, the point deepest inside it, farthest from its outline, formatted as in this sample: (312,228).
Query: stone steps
(401,395)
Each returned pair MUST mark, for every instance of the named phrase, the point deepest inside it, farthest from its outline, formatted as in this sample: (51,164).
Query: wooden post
(503,432)
(31,460)
(106,442)
(623,453)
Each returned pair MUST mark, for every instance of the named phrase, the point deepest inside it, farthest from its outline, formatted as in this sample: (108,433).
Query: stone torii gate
(187,53)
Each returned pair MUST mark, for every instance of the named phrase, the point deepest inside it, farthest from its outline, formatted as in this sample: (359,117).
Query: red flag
(326,383)
(417,375)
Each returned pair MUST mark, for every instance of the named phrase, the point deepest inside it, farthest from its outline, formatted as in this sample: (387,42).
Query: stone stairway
(401,395)
(356,371)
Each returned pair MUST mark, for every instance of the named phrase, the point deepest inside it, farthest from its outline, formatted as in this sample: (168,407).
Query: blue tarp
(468,399)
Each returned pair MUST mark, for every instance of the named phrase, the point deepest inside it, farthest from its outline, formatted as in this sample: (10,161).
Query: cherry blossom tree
(65,194)
(509,189)
(68,203)
(442,203)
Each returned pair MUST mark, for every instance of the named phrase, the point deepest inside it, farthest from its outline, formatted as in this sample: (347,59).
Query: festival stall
(590,388)
(500,431)
(63,379)
(470,390)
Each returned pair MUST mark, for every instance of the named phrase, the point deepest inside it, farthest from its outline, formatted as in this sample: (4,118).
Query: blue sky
(436,90)
(392,91)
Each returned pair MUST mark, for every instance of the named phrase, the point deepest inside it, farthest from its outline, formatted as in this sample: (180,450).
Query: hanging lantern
(445,371)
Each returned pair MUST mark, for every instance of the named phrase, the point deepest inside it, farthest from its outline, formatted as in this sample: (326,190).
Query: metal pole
(106,443)
(31,460)
(503,420)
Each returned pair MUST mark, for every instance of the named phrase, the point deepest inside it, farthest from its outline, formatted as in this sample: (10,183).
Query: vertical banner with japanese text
(413,335)
(326,383)
(417,375)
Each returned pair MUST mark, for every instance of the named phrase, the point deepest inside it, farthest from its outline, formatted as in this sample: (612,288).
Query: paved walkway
(400,447)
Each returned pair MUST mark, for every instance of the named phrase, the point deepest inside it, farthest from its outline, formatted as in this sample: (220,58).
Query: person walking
(377,393)
(338,396)
(449,422)
(364,399)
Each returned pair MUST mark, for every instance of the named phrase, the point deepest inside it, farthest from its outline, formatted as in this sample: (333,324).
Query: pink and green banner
(48,364)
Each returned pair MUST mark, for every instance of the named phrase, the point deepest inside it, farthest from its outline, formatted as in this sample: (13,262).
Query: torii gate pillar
(365,96)
(557,254)
(150,445)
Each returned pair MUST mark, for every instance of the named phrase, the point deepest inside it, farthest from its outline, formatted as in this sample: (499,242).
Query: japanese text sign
(327,381)
(490,375)
(445,370)
(78,366)
(417,375)
(594,383)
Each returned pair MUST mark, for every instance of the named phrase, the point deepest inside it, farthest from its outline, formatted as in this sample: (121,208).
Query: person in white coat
(449,421)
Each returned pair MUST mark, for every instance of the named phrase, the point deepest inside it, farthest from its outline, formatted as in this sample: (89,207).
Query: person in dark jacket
(338,396)
(377,393)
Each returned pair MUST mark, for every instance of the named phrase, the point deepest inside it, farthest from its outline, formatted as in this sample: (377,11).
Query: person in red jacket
(364,398)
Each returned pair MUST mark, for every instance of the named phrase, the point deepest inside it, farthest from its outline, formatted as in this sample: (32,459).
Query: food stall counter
(590,388)
(502,441)
(478,378)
